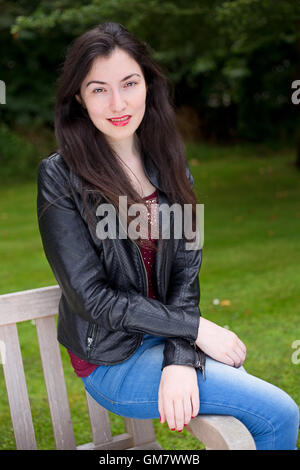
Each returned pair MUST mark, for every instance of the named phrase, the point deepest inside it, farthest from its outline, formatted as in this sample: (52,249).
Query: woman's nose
(117,102)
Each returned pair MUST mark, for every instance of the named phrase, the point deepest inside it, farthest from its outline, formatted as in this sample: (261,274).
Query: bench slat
(142,432)
(221,432)
(100,423)
(119,442)
(29,304)
(17,390)
(55,383)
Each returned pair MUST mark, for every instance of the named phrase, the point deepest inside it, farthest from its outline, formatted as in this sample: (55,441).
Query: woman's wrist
(199,330)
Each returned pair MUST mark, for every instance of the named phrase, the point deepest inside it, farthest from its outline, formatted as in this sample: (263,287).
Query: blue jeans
(130,389)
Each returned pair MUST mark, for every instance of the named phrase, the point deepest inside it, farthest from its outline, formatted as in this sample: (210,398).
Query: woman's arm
(184,290)
(178,396)
(77,268)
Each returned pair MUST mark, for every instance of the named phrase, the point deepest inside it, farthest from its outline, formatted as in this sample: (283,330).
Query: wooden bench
(41,305)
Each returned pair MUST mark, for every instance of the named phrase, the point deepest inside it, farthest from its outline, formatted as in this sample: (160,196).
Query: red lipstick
(120,121)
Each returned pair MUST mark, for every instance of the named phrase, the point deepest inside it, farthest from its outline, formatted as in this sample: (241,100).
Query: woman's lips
(120,123)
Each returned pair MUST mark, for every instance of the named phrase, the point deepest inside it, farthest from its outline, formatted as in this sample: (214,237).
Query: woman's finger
(242,346)
(230,359)
(170,414)
(195,400)
(236,357)
(179,414)
(162,414)
(187,409)
(161,407)
(242,354)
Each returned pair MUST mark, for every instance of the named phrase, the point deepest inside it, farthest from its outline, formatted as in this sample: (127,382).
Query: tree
(230,60)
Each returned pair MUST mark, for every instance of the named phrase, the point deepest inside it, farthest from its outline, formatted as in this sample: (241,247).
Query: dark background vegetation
(232,64)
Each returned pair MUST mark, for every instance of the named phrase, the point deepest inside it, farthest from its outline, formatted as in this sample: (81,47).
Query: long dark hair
(85,149)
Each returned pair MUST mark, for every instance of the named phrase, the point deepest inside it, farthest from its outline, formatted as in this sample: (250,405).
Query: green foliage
(250,24)
(17,156)
(21,154)
(232,61)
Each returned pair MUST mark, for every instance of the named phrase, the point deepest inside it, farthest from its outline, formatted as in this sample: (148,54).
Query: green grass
(251,258)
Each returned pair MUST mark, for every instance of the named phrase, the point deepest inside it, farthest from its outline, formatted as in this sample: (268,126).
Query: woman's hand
(220,344)
(178,396)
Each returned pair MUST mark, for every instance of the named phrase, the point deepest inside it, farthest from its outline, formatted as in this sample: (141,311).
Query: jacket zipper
(147,288)
(90,339)
(147,284)
(200,364)
(147,293)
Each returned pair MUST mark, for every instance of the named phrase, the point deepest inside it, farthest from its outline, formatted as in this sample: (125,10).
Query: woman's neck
(128,150)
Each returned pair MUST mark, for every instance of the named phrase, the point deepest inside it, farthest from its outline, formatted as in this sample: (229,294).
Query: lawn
(249,278)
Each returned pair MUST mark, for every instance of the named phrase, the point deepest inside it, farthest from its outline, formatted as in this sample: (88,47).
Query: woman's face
(114,87)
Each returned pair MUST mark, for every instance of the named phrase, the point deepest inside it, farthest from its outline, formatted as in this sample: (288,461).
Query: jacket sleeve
(77,268)
(184,290)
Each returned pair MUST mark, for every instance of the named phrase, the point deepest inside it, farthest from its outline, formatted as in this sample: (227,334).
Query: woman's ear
(80,101)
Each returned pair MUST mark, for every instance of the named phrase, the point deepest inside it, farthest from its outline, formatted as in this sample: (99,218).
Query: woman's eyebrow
(104,83)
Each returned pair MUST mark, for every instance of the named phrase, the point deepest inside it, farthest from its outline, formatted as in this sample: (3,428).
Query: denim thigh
(130,388)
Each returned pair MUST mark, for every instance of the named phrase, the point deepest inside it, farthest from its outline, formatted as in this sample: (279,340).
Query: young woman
(129,310)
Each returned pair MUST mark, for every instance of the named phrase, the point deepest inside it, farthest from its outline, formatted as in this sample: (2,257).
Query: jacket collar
(154,176)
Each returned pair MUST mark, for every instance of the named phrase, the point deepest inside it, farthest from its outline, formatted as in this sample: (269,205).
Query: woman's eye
(99,90)
(131,83)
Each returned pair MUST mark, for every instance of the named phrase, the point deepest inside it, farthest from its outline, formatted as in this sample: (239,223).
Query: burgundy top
(83,368)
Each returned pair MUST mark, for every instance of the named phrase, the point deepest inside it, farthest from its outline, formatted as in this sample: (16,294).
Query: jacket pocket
(90,338)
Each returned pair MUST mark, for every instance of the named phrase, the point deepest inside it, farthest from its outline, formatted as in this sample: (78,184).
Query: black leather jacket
(104,310)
